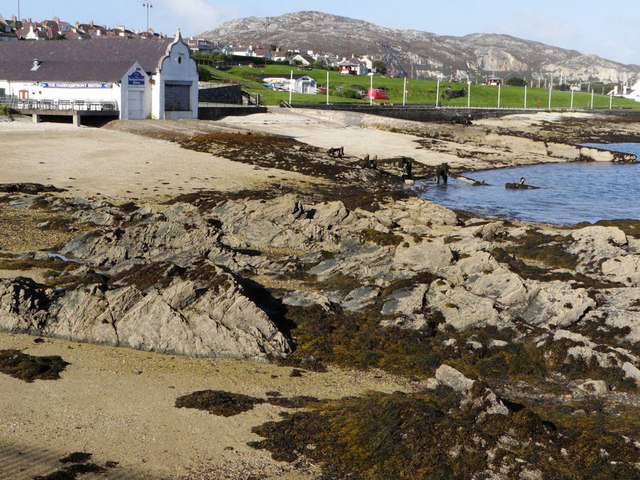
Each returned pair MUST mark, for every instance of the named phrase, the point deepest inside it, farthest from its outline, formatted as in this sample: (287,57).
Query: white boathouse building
(134,78)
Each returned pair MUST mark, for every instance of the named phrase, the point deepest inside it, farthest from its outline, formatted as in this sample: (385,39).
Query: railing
(60,105)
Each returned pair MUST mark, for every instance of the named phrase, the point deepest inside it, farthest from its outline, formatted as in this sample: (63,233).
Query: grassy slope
(419,91)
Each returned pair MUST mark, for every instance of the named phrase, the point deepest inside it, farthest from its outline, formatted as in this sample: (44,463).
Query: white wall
(38,91)
(180,67)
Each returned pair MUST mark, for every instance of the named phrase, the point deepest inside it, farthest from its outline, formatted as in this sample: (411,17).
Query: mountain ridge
(423,54)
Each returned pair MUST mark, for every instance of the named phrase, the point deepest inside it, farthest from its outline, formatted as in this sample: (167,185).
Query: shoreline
(305,251)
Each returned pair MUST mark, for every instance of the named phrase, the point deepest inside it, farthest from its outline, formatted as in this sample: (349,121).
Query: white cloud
(193,16)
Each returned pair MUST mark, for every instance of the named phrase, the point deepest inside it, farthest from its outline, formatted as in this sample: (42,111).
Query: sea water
(569,193)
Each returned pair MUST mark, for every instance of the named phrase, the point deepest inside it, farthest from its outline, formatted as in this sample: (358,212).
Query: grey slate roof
(105,60)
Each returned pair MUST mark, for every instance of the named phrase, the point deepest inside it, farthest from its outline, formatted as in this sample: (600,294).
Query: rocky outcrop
(209,316)
(189,280)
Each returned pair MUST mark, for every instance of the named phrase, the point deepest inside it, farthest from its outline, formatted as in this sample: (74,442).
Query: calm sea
(569,193)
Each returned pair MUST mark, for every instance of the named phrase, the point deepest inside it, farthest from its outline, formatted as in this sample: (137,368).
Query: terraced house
(133,78)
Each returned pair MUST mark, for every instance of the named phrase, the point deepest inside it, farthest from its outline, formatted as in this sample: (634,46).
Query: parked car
(377,94)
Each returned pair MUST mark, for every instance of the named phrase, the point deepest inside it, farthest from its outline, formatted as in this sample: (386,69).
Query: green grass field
(418,91)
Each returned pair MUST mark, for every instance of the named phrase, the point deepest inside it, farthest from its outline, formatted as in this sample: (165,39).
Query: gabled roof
(307,58)
(353,61)
(65,60)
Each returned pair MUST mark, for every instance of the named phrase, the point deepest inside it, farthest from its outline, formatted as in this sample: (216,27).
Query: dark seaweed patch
(217,402)
(29,368)
(432,436)
(227,404)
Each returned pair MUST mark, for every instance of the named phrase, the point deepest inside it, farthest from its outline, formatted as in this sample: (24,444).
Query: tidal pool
(569,192)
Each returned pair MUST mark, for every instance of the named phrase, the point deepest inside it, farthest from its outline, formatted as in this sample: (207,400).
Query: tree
(516,82)
(380,67)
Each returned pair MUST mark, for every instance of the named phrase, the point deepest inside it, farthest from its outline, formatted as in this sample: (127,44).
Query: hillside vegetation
(418,91)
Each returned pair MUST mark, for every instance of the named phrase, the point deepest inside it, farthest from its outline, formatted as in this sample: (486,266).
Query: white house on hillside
(352,66)
(142,77)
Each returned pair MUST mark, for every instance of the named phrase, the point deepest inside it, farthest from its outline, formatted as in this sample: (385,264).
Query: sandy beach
(118,404)
(113,165)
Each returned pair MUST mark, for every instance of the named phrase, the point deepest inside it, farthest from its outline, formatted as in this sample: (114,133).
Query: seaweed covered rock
(455,433)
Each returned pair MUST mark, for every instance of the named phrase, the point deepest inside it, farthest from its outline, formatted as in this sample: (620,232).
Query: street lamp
(266,35)
(147,5)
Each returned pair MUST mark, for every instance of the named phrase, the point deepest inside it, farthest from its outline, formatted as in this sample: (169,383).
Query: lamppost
(266,36)
(147,5)
(18,11)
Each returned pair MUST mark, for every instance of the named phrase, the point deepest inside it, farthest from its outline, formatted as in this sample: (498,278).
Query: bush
(516,82)
(204,74)
(348,93)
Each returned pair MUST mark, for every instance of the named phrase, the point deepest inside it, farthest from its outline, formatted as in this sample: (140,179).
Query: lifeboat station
(125,78)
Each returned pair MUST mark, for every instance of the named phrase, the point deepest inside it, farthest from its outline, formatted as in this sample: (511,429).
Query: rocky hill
(423,54)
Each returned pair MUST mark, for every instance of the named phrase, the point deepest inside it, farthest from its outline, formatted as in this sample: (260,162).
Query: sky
(609,30)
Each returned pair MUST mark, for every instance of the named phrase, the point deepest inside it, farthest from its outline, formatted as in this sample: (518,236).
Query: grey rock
(593,244)
(429,255)
(23,305)
(209,317)
(95,217)
(301,298)
(462,309)
(597,387)
(619,309)
(452,378)
(405,301)
(482,275)
(624,269)
(631,371)
(359,298)
(554,304)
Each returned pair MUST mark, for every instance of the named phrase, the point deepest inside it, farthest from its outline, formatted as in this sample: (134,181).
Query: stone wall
(228,94)
(429,113)
(217,112)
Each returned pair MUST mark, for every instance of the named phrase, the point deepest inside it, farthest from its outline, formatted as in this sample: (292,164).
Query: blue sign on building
(136,78)
(74,85)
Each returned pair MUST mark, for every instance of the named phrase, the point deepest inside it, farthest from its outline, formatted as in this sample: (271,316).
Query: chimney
(56,19)
(91,22)
(14,19)
(121,27)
